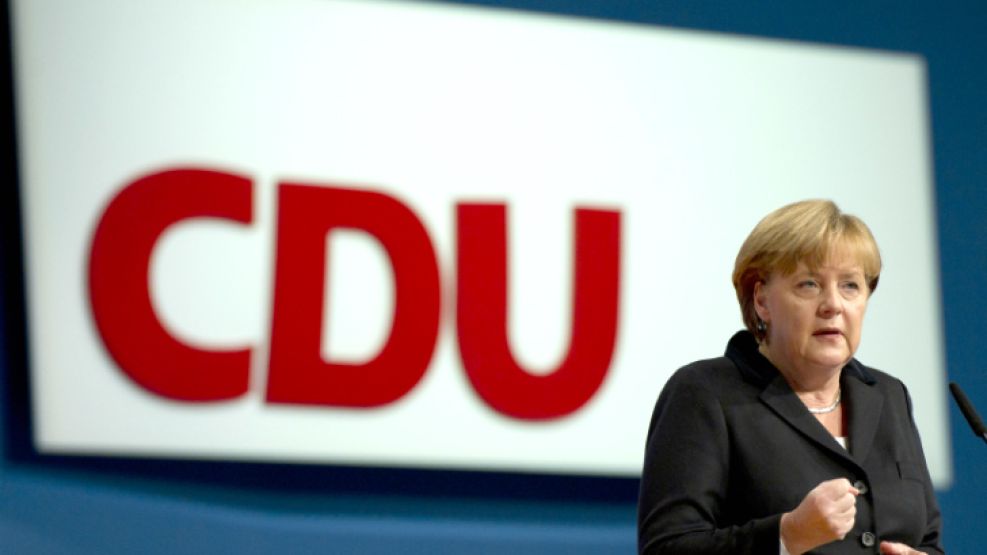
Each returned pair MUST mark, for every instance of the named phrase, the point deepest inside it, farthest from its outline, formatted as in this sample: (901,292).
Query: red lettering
(136,217)
(118,283)
(298,373)
(481,313)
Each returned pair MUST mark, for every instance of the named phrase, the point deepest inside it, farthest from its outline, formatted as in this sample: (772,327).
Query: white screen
(693,137)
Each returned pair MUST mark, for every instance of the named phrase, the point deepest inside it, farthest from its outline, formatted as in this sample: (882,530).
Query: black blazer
(731,447)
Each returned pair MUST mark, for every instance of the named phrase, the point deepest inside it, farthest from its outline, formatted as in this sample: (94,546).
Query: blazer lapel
(861,400)
(865,406)
(783,401)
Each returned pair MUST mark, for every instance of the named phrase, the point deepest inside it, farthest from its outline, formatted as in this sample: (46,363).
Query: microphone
(966,407)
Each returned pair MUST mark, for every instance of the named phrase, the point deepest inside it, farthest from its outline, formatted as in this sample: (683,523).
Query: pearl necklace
(830,408)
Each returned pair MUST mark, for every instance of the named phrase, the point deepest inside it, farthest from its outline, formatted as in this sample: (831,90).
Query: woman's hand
(826,514)
(892,548)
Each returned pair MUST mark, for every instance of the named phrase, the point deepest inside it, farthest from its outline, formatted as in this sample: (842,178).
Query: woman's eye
(808,284)
(852,285)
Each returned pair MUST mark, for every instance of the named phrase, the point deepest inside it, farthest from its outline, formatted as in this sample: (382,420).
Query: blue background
(62,505)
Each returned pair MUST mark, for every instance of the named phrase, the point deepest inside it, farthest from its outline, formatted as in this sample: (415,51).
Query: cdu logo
(297,373)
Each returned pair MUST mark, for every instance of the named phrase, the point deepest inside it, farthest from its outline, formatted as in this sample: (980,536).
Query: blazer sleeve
(685,479)
(931,538)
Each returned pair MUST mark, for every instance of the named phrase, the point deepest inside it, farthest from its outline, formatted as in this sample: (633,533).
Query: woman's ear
(760,301)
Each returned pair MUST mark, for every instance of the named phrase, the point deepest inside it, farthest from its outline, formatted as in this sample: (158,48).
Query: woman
(787,444)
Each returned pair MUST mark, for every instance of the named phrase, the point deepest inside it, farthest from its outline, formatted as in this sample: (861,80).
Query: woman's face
(814,317)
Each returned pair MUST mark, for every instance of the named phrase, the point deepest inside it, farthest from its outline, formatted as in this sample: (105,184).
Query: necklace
(830,408)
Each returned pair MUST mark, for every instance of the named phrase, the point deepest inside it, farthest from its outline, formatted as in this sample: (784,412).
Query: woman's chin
(830,358)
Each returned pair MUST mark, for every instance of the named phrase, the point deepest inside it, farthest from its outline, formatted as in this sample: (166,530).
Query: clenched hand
(826,514)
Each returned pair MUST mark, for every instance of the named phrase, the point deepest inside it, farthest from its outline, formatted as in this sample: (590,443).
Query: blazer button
(861,487)
(867,539)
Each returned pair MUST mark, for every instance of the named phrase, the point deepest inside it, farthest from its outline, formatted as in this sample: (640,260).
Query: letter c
(119,283)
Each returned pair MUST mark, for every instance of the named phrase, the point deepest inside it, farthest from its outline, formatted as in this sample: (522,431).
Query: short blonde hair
(809,231)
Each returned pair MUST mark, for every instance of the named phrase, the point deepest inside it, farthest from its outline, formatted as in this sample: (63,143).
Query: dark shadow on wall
(14,393)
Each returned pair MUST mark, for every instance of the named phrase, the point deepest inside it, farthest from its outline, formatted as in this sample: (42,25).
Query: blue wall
(66,507)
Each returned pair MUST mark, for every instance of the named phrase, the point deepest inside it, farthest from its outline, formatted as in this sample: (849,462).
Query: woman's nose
(831,302)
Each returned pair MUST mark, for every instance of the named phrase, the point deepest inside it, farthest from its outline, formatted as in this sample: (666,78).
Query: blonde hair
(810,231)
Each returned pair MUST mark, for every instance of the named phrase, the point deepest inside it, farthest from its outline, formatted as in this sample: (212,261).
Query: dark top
(731,447)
